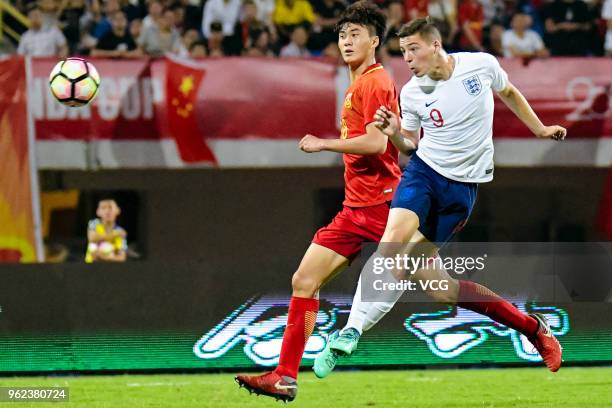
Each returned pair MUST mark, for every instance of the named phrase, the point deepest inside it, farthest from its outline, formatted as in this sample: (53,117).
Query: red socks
(481,300)
(300,324)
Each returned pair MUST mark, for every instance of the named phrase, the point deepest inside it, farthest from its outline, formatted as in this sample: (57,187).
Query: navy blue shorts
(443,205)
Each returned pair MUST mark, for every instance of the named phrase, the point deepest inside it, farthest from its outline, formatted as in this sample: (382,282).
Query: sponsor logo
(279,386)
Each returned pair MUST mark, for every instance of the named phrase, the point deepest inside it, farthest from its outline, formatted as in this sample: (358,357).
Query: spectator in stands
(215,40)
(259,43)
(103,25)
(395,19)
(41,40)
(225,12)
(156,8)
(187,39)
(265,11)
(471,20)
(415,9)
(492,11)
(297,46)
(290,13)
(193,14)
(606,14)
(133,9)
(179,17)
(567,26)
(494,42)
(198,50)
(162,38)
(106,241)
(326,12)
(521,41)
(49,10)
(118,43)
(235,44)
(70,13)
(444,15)
(136,28)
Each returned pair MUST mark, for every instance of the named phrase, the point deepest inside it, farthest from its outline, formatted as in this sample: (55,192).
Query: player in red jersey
(371,177)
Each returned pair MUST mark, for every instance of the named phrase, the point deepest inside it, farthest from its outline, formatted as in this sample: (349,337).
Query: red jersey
(369,179)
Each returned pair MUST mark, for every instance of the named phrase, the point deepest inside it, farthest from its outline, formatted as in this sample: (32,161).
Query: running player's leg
(365,314)
(411,205)
(329,253)
(318,265)
(401,227)
(456,201)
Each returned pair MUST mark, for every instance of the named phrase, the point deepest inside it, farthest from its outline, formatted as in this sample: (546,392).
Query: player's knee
(395,235)
(304,285)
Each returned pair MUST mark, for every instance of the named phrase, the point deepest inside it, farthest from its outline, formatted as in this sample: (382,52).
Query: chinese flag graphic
(182,84)
(17,237)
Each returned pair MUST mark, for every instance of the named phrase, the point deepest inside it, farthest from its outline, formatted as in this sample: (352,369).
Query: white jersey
(456,116)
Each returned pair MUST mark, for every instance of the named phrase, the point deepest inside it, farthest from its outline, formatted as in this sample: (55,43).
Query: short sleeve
(410,119)
(537,41)
(373,96)
(92,224)
(499,76)
(60,40)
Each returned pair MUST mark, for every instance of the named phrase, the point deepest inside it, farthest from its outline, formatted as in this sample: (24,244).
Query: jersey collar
(371,68)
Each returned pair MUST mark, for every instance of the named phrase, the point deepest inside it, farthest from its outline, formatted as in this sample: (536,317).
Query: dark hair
(365,14)
(197,43)
(216,27)
(425,27)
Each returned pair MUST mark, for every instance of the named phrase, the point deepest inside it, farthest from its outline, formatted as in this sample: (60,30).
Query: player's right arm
(374,141)
(406,141)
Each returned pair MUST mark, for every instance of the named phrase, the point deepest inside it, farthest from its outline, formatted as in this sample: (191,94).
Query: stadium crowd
(303,28)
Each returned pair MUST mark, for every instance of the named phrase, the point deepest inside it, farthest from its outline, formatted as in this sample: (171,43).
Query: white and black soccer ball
(74,82)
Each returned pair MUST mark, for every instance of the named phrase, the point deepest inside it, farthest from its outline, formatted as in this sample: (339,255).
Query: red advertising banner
(242,98)
(238,98)
(17,229)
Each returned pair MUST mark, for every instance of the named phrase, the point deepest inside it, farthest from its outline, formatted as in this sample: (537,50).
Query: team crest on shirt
(347,101)
(472,85)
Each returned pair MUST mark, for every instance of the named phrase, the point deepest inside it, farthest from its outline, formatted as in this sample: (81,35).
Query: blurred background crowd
(302,28)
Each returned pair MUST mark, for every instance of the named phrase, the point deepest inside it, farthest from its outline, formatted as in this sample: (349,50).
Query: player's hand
(312,144)
(553,132)
(386,121)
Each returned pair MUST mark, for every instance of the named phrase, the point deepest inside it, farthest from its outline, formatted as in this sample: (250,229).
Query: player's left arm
(374,141)
(514,99)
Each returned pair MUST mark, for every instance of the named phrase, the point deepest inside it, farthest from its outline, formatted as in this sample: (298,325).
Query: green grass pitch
(525,387)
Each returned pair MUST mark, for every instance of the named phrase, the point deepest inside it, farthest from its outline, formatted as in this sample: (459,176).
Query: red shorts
(351,227)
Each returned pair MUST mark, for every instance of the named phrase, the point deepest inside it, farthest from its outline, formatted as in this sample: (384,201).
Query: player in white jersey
(450,97)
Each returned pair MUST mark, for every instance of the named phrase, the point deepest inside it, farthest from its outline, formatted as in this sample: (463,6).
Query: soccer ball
(74,82)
